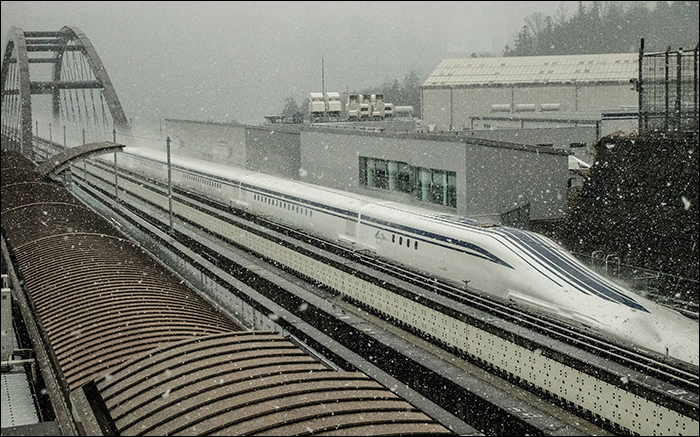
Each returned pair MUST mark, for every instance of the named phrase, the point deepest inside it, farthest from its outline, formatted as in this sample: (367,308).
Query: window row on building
(425,184)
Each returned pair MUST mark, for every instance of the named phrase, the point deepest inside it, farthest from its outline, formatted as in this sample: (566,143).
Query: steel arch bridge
(71,75)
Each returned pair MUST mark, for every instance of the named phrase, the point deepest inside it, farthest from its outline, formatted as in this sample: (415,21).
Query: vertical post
(392,170)
(444,187)
(371,165)
(170,188)
(116,176)
(695,84)
(323,79)
(84,160)
(65,147)
(323,92)
(50,135)
(425,184)
(679,60)
(35,146)
(666,79)
(640,88)
(451,108)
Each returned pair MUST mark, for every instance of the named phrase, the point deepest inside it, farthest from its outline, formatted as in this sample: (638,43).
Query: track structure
(126,346)
(621,389)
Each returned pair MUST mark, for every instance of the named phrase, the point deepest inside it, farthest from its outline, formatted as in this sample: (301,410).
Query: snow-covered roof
(615,67)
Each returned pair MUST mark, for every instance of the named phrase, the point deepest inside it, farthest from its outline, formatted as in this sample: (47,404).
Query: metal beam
(50,86)
(54,48)
(43,34)
(98,69)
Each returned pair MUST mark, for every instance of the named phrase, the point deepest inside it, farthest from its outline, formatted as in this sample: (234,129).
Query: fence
(668,90)
(678,292)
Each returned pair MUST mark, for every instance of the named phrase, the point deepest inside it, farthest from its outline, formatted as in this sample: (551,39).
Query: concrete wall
(498,179)
(490,179)
(273,150)
(209,141)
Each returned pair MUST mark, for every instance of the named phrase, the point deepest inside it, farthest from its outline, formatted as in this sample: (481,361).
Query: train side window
(311,213)
(415,245)
(408,242)
(400,241)
(393,238)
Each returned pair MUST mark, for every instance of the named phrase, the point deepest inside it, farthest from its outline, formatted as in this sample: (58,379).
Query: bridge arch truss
(74,75)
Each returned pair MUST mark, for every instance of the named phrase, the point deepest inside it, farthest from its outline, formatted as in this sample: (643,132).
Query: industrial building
(460,90)
(494,181)
(493,143)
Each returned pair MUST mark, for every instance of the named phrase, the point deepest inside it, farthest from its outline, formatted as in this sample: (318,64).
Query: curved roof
(250,383)
(100,298)
(61,161)
(455,72)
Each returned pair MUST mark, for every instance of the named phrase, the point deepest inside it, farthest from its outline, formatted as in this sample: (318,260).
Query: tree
(290,107)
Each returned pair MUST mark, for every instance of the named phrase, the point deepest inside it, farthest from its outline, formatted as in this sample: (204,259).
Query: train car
(521,266)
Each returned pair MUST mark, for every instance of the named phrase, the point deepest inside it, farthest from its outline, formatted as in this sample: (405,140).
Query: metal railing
(668,90)
(681,293)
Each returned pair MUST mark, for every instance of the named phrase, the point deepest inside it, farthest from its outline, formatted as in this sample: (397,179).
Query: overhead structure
(76,73)
(61,161)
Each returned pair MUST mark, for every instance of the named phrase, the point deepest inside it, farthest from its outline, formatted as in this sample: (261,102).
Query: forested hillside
(608,27)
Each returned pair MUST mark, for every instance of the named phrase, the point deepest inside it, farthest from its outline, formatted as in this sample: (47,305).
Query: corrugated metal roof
(615,67)
(99,297)
(250,383)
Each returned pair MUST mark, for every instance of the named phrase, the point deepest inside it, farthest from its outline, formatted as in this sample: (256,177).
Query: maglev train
(518,265)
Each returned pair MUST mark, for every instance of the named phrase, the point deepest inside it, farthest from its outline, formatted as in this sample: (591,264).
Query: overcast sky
(226,61)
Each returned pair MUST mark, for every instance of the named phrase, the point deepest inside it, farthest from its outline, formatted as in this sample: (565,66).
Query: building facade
(473,177)
(459,89)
